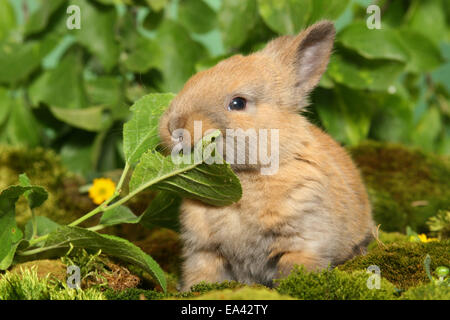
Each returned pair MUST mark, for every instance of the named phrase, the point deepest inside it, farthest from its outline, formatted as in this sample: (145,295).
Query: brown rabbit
(314,211)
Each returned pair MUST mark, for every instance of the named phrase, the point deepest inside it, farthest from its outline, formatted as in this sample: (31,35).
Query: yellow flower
(423,238)
(101,190)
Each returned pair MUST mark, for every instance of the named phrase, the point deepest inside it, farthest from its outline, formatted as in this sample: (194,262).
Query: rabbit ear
(312,54)
(307,53)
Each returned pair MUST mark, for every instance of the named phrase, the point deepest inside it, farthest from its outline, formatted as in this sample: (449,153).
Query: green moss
(333,285)
(244,293)
(52,269)
(406,186)
(430,291)
(387,238)
(44,168)
(403,263)
(133,294)
(204,287)
(26,285)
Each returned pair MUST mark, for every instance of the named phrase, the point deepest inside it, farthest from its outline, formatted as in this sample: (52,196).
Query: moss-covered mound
(244,293)
(334,285)
(27,285)
(430,291)
(406,186)
(403,263)
(44,168)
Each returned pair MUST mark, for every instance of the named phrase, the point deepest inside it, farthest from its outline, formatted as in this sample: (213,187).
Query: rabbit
(313,211)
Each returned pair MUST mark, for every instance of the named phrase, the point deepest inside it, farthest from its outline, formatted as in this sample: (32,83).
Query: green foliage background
(70,90)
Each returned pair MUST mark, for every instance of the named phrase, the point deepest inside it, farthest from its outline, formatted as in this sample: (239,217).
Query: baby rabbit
(313,211)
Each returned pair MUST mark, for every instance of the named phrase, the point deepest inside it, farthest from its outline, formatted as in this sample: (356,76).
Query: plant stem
(97,227)
(33,217)
(104,206)
(38,239)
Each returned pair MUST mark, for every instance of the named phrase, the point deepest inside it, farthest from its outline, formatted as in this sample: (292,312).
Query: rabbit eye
(237,104)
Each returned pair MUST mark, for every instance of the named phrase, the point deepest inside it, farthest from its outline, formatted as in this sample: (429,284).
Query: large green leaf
(108,92)
(345,113)
(236,19)
(196,16)
(118,215)
(373,44)
(122,249)
(162,212)
(327,9)
(427,130)
(7,18)
(44,226)
(143,54)
(180,52)
(10,234)
(428,17)
(358,73)
(403,45)
(97,31)
(40,17)
(423,54)
(141,132)
(19,60)
(90,119)
(22,127)
(35,196)
(63,86)
(215,184)
(5,105)
(285,16)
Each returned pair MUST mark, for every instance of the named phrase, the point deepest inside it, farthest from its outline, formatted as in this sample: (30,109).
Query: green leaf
(236,19)
(90,119)
(423,54)
(117,247)
(19,60)
(35,196)
(285,16)
(108,92)
(156,5)
(180,52)
(44,226)
(61,87)
(196,16)
(7,18)
(39,19)
(10,234)
(162,212)
(428,18)
(5,105)
(97,32)
(215,184)
(142,55)
(22,127)
(118,215)
(358,73)
(327,9)
(345,113)
(141,132)
(373,44)
(428,129)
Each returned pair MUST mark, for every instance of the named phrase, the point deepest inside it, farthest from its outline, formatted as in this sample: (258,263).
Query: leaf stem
(104,206)
(34,222)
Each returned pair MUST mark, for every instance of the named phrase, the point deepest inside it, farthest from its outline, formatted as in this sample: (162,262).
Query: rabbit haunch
(313,211)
